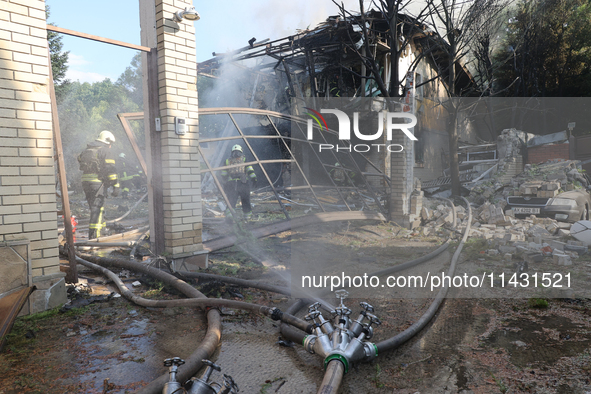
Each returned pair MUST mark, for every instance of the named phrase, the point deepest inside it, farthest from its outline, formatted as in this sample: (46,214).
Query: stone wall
(27,180)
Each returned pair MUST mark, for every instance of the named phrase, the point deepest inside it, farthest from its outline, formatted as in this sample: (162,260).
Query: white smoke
(283,18)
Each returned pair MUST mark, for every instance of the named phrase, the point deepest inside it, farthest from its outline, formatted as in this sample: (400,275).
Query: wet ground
(473,346)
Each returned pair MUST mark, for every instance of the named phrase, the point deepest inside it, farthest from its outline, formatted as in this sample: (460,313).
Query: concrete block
(552,228)
(475,233)
(562,259)
(507,249)
(532,258)
(537,230)
(556,245)
(579,249)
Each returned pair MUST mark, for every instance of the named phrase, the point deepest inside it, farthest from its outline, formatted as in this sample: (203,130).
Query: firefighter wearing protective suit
(97,162)
(126,175)
(341,176)
(237,181)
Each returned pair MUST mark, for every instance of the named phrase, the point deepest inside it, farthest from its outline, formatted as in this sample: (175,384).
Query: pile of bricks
(538,189)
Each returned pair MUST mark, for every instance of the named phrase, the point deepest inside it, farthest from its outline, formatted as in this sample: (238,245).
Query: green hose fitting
(338,357)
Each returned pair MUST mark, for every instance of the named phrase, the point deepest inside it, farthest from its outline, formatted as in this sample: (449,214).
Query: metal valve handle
(341,294)
(367,307)
(314,307)
(312,315)
(169,362)
(229,382)
(342,311)
(211,364)
(373,319)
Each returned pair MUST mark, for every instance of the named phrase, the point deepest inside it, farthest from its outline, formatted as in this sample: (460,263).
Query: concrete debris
(531,239)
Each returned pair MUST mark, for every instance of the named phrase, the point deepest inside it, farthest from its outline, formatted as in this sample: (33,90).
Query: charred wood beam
(312,72)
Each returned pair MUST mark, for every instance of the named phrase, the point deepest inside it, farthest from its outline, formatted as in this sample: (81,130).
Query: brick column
(179,161)
(27,181)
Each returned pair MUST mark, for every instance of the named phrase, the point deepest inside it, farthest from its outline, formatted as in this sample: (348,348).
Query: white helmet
(238,148)
(106,137)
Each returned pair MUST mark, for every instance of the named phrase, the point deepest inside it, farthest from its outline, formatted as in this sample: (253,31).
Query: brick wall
(27,180)
(542,153)
(177,78)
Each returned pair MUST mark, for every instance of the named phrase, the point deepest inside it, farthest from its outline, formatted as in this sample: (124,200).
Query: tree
(458,26)
(548,42)
(400,30)
(86,110)
(131,80)
(59,60)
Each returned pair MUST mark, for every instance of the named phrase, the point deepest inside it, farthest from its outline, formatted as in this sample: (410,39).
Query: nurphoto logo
(344,129)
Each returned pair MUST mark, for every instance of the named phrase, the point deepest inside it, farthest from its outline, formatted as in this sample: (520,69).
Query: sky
(224,25)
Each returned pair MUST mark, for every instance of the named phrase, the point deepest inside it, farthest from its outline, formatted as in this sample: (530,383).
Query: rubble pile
(544,180)
(529,239)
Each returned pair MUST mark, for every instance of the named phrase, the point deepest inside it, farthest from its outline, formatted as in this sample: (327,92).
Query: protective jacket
(237,185)
(97,163)
(241,173)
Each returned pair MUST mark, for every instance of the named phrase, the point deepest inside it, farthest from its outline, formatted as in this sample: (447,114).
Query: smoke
(281,18)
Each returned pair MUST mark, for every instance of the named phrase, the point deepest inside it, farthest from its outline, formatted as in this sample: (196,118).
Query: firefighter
(339,176)
(237,181)
(97,162)
(126,175)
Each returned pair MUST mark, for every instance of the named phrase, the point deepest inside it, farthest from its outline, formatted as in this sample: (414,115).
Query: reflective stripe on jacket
(236,175)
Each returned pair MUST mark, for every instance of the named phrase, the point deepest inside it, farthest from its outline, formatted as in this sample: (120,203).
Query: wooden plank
(72,273)
(97,38)
(10,307)
(155,184)
(124,119)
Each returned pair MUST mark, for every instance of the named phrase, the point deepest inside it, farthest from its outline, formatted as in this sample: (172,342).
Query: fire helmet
(237,148)
(106,137)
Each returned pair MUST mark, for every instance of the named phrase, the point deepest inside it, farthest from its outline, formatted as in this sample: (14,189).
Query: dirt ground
(474,345)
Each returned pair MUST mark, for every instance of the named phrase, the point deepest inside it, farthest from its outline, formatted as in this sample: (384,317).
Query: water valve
(173,366)
(341,294)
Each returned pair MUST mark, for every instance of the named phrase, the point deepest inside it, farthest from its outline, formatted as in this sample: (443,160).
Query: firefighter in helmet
(342,176)
(237,181)
(127,175)
(97,163)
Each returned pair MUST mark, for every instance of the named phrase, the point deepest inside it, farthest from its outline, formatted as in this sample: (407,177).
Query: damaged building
(327,63)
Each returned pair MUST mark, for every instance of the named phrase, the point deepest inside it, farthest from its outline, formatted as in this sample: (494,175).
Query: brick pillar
(27,181)
(177,98)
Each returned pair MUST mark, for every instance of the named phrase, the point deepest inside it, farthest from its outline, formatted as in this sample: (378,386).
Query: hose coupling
(276,313)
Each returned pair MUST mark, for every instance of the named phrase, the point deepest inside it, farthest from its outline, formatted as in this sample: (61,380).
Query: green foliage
(86,109)
(538,303)
(131,80)
(502,387)
(545,52)
(59,60)
(376,378)
(474,246)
